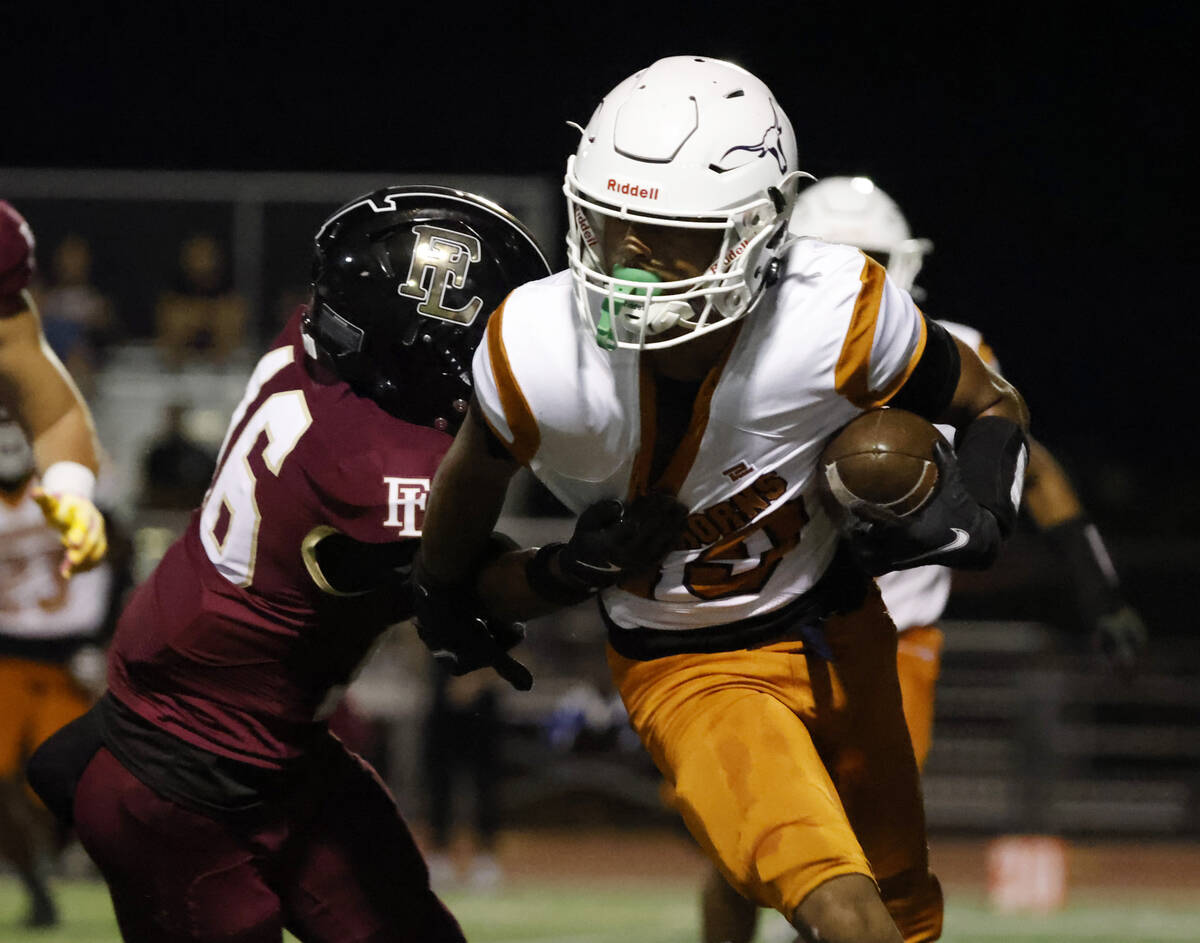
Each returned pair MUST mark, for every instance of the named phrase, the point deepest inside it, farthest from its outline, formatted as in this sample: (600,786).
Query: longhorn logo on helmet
(771,143)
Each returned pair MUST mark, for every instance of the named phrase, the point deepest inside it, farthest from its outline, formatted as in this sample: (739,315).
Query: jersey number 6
(230,517)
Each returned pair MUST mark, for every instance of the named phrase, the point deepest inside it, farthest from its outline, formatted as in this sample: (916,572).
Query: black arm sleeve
(930,387)
(350,566)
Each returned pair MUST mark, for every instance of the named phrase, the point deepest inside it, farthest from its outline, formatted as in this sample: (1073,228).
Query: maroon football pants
(342,867)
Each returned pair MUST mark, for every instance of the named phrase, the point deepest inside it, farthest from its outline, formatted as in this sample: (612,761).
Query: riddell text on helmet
(731,255)
(632,189)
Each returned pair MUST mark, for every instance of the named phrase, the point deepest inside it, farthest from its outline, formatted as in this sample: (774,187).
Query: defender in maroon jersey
(206,785)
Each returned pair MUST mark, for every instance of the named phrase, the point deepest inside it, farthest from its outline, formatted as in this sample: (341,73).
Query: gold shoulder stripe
(852,376)
(892,388)
(526,437)
(852,373)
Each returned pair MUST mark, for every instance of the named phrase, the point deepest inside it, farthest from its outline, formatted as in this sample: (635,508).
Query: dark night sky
(1042,153)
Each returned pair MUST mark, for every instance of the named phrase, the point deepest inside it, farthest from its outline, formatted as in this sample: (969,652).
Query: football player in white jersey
(674,388)
(39,392)
(854,211)
(50,662)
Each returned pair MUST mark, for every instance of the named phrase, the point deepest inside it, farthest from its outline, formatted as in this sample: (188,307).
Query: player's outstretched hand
(81,526)
(612,538)
(16,250)
(952,529)
(453,627)
(1122,638)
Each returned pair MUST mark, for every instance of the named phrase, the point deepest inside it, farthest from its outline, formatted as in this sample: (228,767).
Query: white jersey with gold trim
(832,338)
(36,602)
(919,596)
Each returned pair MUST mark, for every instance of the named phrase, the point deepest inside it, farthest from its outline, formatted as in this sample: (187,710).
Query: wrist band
(69,478)
(553,588)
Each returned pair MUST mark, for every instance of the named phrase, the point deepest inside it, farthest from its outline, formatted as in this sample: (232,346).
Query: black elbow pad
(993,453)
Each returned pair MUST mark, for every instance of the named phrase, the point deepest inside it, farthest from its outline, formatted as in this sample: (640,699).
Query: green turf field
(614,913)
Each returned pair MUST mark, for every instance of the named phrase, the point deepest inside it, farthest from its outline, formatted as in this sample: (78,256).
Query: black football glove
(953,529)
(1117,631)
(1121,637)
(454,628)
(612,539)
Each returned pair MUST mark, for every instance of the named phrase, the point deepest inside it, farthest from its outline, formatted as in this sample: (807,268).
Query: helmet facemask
(634,307)
(904,261)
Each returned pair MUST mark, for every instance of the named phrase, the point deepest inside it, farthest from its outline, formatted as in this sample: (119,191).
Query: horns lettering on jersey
(731,515)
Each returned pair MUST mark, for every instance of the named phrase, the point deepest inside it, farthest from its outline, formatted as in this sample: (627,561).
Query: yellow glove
(74,516)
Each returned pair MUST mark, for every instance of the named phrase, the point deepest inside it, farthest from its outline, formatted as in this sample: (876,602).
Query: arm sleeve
(342,566)
(931,384)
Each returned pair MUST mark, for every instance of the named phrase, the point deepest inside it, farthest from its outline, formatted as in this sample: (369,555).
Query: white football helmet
(689,143)
(852,210)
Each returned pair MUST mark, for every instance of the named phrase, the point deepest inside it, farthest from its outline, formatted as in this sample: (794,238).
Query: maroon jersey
(237,643)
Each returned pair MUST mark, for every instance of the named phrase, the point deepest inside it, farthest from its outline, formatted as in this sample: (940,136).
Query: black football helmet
(404,280)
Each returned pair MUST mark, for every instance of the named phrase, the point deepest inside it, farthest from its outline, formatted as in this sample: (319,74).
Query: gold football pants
(919,663)
(36,700)
(790,770)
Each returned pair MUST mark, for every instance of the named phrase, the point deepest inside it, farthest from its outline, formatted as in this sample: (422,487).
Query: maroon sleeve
(374,484)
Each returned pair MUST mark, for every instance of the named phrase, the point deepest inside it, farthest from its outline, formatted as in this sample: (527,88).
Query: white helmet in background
(689,143)
(854,211)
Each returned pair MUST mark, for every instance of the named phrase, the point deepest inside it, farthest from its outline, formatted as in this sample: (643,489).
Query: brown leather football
(880,465)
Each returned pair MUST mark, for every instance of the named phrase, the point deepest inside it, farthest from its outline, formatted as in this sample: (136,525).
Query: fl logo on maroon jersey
(406,496)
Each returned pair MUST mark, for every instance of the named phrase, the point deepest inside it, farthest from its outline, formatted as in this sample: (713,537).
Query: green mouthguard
(605,336)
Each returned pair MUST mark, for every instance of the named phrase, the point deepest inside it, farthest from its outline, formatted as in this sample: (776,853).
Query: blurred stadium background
(1033,737)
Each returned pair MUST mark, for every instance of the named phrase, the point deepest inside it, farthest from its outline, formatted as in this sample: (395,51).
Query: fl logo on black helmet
(405,279)
(440,261)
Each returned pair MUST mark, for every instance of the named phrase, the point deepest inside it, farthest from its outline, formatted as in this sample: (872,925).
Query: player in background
(674,388)
(205,785)
(51,665)
(37,390)
(854,211)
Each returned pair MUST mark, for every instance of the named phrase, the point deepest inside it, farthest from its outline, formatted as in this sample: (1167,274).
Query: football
(880,465)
